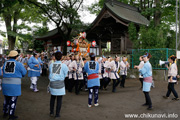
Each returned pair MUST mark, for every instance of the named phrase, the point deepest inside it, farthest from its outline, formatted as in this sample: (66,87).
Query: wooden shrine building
(111,25)
(51,39)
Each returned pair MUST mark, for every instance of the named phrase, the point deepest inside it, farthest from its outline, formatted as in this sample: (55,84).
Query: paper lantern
(93,43)
(75,41)
(84,35)
(68,43)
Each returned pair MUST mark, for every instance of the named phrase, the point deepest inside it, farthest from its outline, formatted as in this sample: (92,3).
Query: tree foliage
(160,13)
(17,15)
(64,14)
(38,45)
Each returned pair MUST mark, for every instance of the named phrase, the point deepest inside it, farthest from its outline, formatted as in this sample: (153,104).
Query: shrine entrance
(111,25)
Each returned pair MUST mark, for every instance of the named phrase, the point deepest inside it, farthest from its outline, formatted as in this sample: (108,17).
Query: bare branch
(57,8)
(74,3)
(79,5)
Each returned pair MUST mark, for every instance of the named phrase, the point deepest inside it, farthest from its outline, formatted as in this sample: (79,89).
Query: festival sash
(93,76)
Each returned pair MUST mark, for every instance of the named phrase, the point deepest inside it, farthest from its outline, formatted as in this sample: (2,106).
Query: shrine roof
(122,12)
(48,34)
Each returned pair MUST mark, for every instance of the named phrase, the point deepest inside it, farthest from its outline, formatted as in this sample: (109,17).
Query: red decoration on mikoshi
(68,43)
(93,43)
(72,49)
(76,41)
(84,35)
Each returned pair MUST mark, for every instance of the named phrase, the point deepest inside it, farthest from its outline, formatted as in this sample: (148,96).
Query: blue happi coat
(146,70)
(13,71)
(89,71)
(34,71)
(57,74)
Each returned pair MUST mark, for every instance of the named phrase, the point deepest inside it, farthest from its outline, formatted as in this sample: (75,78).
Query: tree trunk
(65,47)
(157,15)
(179,27)
(144,4)
(141,3)
(131,2)
(11,42)
(11,39)
(148,16)
(11,29)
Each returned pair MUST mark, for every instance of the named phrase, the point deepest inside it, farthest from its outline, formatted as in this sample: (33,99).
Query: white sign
(178,54)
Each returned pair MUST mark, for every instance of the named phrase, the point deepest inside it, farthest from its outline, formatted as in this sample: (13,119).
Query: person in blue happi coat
(0,79)
(57,74)
(146,72)
(13,71)
(92,69)
(34,70)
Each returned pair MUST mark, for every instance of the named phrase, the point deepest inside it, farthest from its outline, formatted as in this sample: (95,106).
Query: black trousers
(141,80)
(58,104)
(71,84)
(115,84)
(123,80)
(101,83)
(78,85)
(66,83)
(106,81)
(148,99)
(171,89)
(44,72)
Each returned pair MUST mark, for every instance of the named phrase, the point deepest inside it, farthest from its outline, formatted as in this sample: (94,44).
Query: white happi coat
(141,64)
(78,74)
(67,63)
(173,70)
(100,67)
(64,61)
(71,71)
(123,68)
(106,69)
(114,70)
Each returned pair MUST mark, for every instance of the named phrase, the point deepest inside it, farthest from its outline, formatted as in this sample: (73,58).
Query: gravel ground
(113,106)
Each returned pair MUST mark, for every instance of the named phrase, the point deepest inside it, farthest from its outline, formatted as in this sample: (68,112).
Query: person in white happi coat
(100,61)
(107,72)
(114,66)
(53,59)
(77,66)
(172,78)
(102,75)
(20,58)
(71,73)
(68,61)
(85,75)
(124,65)
(141,64)
(24,61)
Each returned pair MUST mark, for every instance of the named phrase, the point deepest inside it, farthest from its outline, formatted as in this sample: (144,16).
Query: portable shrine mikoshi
(80,45)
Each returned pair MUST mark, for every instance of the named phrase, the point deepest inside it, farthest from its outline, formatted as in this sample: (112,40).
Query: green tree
(38,45)
(160,13)
(133,34)
(64,14)
(11,11)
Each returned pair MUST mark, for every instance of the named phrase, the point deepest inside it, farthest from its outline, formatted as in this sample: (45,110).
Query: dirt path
(113,106)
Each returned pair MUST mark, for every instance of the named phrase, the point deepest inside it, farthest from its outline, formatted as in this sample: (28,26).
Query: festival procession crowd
(73,71)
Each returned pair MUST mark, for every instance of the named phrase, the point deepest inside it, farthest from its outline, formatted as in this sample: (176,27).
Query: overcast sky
(85,17)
